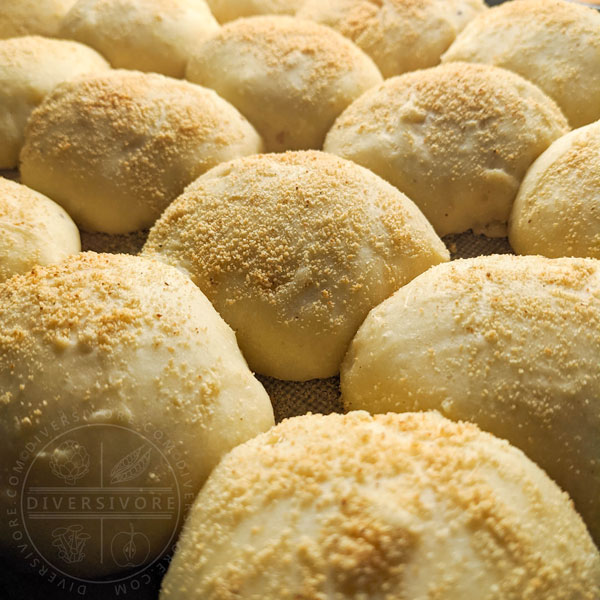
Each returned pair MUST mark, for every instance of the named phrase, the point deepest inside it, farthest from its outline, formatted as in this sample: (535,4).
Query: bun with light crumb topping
(290,78)
(125,352)
(553,43)
(457,139)
(30,68)
(33,230)
(510,343)
(147,35)
(229,10)
(399,35)
(294,250)
(114,150)
(343,507)
(32,17)
(557,210)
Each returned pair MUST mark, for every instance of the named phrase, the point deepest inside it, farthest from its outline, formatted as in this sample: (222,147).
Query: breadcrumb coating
(389,507)
(294,250)
(510,343)
(457,139)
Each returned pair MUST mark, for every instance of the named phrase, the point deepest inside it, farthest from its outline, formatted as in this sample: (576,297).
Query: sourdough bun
(399,35)
(147,35)
(555,44)
(114,150)
(32,17)
(115,342)
(290,78)
(30,68)
(33,230)
(510,343)
(396,506)
(229,10)
(293,250)
(557,210)
(457,139)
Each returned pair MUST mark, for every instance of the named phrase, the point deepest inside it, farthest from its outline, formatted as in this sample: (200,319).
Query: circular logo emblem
(99,498)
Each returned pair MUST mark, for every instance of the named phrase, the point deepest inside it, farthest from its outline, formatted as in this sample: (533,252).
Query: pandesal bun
(557,210)
(30,68)
(293,250)
(127,344)
(115,149)
(343,507)
(33,230)
(555,44)
(32,17)
(399,35)
(508,342)
(457,139)
(290,78)
(145,35)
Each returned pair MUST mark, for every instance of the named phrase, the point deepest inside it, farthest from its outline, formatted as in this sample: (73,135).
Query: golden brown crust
(294,249)
(457,139)
(386,507)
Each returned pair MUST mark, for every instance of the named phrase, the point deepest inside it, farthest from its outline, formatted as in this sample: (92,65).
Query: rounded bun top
(32,17)
(115,149)
(33,230)
(457,139)
(146,35)
(554,43)
(30,68)
(557,210)
(353,506)
(399,35)
(294,249)
(291,78)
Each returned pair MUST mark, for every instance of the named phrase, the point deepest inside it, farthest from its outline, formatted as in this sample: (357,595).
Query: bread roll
(290,78)
(114,150)
(33,230)
(399,35)
(457,139)
(553,43)
(147,35)
(557,210)
(293,250)
(30,68)
(396,506)
(32,17)
(116,349)
(229,10)
(510,343)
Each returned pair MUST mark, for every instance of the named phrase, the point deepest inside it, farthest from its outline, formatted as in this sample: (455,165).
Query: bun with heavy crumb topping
(457,139)
(387,507)
(290,78)
(30,68)
(294,250)
(114,150)
(510,343)
(134,355)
